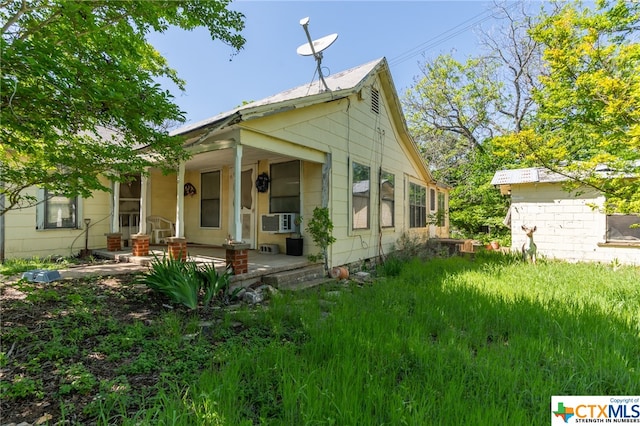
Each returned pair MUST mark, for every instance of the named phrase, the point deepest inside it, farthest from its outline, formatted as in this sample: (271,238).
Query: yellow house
(256,168)
(255,171)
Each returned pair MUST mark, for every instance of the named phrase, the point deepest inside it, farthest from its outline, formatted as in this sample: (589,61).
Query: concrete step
(295,278)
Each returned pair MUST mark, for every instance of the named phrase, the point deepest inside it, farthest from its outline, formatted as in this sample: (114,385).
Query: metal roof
(529,175)
(341,81)
(508,177)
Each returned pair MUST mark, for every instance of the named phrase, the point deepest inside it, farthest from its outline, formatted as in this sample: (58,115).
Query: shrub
(212,282)
(183,282)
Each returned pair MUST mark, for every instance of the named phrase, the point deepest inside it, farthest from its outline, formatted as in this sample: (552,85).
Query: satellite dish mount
(315,48)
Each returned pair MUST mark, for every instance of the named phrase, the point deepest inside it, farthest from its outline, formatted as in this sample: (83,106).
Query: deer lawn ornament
(529,248)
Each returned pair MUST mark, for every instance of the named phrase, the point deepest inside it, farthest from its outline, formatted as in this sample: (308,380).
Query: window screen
(60,211)
(417,206)
(623,227)
(360,196)
(210,199)
(284,190)
(387,199)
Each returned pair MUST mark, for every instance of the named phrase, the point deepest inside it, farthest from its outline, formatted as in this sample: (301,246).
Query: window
(130,201)
(387,199)
(60,211)
(360,196)
(432,199)
(285,188)
(440,220)
(619,228)
(417,206)
(210,199)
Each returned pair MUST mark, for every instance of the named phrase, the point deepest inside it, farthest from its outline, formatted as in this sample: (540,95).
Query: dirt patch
(39,379)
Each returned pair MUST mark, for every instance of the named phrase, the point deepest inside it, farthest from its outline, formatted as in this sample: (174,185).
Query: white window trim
(200,200)
(40,196)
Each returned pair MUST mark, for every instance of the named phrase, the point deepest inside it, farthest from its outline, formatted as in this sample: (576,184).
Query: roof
(528,175)
(340,84)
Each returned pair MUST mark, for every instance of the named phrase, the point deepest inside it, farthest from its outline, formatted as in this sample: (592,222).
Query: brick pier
(140,245)
(177,248)
(114,241)
(237,256)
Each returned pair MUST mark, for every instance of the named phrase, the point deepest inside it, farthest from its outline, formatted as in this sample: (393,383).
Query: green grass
(446,341)
(17,266)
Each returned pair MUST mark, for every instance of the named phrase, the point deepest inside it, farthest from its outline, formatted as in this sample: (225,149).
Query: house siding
(23,240)
(568,227)
(350,132)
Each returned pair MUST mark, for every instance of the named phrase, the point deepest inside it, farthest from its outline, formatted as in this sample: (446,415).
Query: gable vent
(375,101)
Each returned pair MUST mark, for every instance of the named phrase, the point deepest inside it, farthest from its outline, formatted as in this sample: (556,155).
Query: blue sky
(403,32)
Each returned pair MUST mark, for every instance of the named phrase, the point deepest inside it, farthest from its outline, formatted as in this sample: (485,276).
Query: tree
(587,123)
(78,97)
(453,98)
(455,110)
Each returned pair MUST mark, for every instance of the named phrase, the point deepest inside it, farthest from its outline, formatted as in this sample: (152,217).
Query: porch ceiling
(218,158)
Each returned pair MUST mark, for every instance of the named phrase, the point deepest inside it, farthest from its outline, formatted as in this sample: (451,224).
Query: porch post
(237,199)
(180,202)
(115,204)
(114,237)
(326,172)
(141,239)
(144,196)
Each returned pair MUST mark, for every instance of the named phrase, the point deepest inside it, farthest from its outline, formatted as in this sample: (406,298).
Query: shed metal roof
(509,177)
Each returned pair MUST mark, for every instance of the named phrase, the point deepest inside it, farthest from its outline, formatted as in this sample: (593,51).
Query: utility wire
(447,35)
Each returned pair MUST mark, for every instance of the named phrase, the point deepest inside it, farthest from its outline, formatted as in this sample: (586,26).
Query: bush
(184,282)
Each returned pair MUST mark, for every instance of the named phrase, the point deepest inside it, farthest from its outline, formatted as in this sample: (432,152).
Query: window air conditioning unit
(279,223)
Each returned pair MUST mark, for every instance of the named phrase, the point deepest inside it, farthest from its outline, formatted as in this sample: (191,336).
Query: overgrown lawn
(446,341)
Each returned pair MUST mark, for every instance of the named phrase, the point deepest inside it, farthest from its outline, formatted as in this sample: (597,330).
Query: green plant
(320,227)
(175,279)
(212,282)
(16,266)
(21,387)
(391,267)
(76,378)
(184,282)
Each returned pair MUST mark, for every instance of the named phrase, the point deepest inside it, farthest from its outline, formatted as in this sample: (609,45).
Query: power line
(446,35)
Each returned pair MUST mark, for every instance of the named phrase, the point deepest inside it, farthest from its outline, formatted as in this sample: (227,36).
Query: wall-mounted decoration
(189,189)
(262,183)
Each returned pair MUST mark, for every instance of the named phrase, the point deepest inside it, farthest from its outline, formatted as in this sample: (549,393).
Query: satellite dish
(315,48)
(318,45)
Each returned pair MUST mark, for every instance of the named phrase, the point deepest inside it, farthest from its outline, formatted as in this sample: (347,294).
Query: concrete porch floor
(260,264)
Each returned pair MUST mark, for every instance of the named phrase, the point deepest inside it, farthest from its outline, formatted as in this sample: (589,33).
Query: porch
(280,269)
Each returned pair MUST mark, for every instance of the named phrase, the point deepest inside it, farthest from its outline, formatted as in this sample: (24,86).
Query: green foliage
(391,267)
(452,113)
(21,387)
(76,378)
(79,90)
(175,279)
(454,97)
(213,283)
(587,112)
(183,282)
(321,227)
(486,335)
(16,266)
(491,326)
(474,202)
